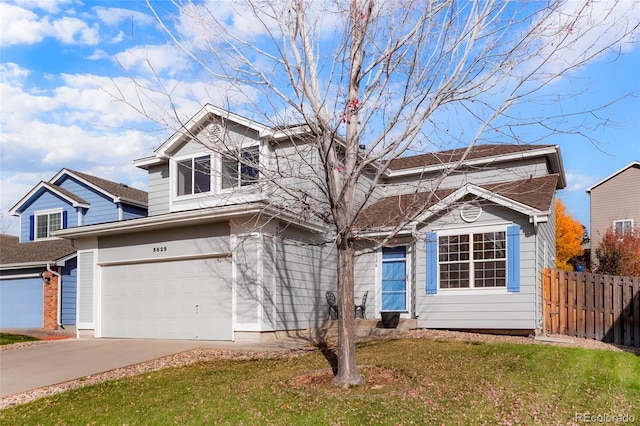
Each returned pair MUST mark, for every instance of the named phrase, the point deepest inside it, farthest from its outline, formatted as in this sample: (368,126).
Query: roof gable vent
(470,212)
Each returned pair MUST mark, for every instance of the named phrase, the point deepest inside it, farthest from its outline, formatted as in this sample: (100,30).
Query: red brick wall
(50,300)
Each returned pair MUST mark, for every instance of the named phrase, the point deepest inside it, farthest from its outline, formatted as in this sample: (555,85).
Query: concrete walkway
(32,367)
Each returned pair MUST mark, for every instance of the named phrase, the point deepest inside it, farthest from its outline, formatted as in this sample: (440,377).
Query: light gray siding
(510,171)
(159,190)
(85,289)
(365,278)
(247,279)
(304,273)
(472,309)
(164,244)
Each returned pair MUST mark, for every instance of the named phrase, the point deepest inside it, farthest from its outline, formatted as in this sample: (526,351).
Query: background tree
(570,235)
(373,81)
(619,254)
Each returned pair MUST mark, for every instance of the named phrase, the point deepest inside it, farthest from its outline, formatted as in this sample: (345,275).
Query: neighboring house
(614,203)
(226,255)
(38,272)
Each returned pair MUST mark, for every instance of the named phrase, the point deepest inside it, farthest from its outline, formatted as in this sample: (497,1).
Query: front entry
(394,279)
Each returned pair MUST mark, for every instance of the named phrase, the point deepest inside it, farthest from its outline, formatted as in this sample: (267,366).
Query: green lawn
(429,382)
(8,339)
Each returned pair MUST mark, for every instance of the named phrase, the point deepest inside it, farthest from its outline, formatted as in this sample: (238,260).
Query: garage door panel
(21,303)
(176,299)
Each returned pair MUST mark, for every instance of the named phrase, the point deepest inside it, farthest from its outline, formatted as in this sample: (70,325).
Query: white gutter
(182,218)
(17,276)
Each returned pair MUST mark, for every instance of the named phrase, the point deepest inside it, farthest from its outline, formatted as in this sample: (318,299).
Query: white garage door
(185,299)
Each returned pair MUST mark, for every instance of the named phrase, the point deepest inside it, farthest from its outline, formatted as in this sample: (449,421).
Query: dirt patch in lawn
(377,381)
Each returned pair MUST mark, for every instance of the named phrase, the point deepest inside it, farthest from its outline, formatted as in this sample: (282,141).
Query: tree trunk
(347,369)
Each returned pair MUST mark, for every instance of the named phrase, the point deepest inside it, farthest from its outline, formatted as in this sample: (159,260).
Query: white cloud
(113,16)
(153,59)
(74,31)
(21,26)
(51,6)
(577,182)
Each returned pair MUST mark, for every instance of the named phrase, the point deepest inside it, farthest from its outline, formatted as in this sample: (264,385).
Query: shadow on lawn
(330,355)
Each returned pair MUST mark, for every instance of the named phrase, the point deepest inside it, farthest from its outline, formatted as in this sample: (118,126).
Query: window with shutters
(472,260)
(47,222)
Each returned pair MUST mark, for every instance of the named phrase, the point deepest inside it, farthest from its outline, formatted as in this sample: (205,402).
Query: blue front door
(394,279)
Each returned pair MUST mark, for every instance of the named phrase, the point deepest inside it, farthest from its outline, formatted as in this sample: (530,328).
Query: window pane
(41,226)
(454,275)
(249,166)
(184,177)
(55,222)
(202,174)
(229,172)
(490,274)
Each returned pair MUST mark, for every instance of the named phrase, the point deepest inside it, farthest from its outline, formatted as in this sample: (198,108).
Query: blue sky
(64,62)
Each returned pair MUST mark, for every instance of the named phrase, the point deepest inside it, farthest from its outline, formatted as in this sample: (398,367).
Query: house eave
(24,265)
(146,162)
(15,210)
(199,120)
(600,182)
(177,219)
(552,153)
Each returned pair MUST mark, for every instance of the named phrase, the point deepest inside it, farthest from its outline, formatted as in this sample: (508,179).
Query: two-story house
(38,272)
(235,246)
(614,204)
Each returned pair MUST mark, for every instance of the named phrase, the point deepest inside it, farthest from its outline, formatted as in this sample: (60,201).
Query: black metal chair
(362,306)
(331,300)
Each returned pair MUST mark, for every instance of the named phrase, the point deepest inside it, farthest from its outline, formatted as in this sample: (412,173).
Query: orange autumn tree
(569,237)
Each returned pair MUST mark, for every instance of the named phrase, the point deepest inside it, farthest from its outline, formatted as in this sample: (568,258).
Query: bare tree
(372,81)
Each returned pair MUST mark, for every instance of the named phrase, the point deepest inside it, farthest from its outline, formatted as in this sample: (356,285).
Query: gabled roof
(118,192)
(73,199)
(484,154)
(628,166)
(529,196)
(210,114)
(15,254)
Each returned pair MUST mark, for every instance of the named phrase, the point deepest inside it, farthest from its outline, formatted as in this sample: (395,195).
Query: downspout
(59,307)
(534,220)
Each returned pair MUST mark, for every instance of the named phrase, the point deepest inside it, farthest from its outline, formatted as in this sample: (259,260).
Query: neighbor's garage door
(186,299)
(21,303)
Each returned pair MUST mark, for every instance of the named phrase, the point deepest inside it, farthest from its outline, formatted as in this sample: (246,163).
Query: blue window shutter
(513,258)
(64,219)
(432,263)
(32,233)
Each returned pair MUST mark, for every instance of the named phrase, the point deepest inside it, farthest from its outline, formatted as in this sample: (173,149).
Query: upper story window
(194,175)
(623,226)
(473,260)
(46,223)
(241,170)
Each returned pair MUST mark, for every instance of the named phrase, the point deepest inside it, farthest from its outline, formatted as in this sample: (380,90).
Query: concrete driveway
(59,361)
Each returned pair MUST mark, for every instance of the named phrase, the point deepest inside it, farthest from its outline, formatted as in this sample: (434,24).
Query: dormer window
(194,175)
(46,223)
(240,170)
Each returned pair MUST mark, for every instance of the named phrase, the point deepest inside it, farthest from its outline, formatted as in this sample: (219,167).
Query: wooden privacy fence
(592,306)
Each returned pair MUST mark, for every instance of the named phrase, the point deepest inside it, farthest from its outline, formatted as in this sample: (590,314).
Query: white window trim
(218,187)
(474,290)
(621,221)
(408,277)
(173,175)
(42,213)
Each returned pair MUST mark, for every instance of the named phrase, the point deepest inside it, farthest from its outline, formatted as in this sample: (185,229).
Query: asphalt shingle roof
(14,252)
(118,189)
(534,192)
(453,155)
